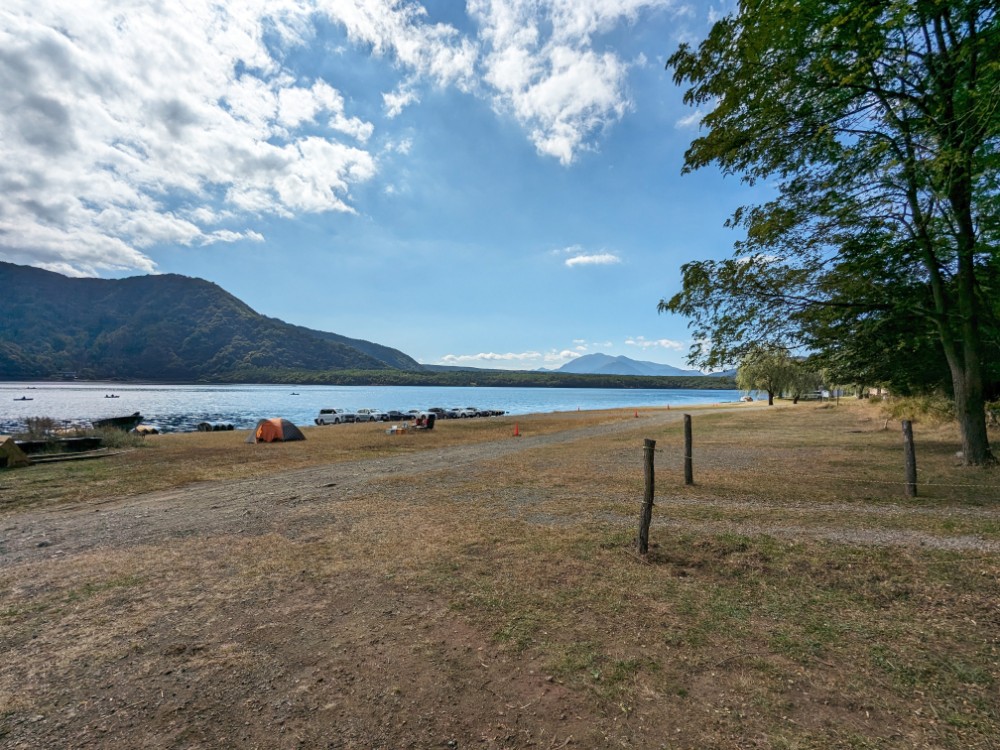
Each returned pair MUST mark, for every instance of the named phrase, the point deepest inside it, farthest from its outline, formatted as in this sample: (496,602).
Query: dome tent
(274,430)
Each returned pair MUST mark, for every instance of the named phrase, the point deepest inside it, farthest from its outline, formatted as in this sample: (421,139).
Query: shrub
(934,408)
(39,428)
(112,438)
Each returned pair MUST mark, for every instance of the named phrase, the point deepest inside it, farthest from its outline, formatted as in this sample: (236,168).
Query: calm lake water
(174,408)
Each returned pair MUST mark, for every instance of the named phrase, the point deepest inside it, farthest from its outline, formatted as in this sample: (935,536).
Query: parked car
(443,413)
(394,415)
(465,412)
(335,416)
(371,415)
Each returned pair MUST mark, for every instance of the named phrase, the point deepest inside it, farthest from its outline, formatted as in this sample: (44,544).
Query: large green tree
(766,369)
(877,124)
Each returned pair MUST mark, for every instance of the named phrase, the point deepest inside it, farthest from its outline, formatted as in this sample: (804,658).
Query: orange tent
(272,430)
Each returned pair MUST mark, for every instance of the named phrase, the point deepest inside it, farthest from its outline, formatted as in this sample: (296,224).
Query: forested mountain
(167,327)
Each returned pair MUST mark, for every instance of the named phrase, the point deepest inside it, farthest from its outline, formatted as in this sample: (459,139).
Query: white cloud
(597,259)
(692,120)
(225,235)
(512,360)
(400,30)
(541,62)
(644,343)
(561,357)
(396,101)
(465,359)
(123,130)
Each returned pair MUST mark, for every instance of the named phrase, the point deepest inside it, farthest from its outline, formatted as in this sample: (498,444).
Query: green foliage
(157,328)
(932,408)
(878,126)
(116,439)
(766,369)
(484,378)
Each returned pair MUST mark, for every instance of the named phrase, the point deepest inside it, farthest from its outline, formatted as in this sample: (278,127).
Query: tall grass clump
(38,428)
(112,438)
(47,428)
(933,409)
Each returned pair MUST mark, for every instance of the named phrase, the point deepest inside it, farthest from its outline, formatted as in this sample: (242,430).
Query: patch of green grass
(518,631)
(89,590)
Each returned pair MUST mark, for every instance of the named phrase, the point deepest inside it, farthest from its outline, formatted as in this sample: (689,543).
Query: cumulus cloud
(596,259)
(127,127)
(396,101)
(644,343)
(157,124)
(541,62)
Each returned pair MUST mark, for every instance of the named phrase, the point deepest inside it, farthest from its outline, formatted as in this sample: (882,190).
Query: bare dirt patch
(482,591)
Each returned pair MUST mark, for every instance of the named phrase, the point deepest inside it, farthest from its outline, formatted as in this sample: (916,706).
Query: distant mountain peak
(606,364)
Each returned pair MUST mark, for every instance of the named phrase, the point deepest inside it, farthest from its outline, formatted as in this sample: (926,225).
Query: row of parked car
(340,416)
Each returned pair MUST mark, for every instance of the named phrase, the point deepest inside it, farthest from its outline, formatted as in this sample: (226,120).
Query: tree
(766,369)
(877,122)
(802,379)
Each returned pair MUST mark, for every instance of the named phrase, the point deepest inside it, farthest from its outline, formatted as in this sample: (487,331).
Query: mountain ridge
(605,364)
(162,327)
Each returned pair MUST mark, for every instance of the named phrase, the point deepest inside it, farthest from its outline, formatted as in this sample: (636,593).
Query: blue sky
(493,183)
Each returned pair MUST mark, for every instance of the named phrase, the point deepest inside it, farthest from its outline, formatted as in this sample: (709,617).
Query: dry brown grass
(179,459)
(793,598)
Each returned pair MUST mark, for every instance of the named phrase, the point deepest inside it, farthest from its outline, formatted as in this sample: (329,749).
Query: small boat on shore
(119,423)
(24,398)
(111,395)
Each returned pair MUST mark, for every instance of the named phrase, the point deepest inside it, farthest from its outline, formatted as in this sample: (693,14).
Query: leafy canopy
(876,124)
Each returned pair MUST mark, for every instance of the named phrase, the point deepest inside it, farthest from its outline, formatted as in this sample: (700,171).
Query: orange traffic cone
(517,432)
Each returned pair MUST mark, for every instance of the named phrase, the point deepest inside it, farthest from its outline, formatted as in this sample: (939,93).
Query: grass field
(465,588)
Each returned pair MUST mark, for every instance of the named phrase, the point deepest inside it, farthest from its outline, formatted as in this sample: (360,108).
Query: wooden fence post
(910,456)
(646,516)
(688,451)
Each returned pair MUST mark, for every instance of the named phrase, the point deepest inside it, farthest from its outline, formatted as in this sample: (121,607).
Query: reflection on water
(174,408)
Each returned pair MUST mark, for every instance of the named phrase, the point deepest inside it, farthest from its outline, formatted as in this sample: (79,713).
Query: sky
(490,183)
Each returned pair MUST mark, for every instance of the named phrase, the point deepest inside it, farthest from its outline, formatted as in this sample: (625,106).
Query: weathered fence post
(649,448)
(688,451)
(910,456)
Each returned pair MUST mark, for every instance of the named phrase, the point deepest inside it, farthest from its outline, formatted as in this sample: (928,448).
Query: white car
(371,415)
(464,412)
(335,416)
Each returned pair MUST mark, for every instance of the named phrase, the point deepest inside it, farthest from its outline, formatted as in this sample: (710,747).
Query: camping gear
(214,426)
(10,454)
(274,430)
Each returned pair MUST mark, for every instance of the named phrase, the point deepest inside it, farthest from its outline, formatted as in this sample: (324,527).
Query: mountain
(605,364)
(167,327)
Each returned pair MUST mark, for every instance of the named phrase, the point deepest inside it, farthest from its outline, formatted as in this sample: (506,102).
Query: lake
(174,408)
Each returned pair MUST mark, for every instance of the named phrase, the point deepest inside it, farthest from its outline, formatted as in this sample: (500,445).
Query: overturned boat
(118,423)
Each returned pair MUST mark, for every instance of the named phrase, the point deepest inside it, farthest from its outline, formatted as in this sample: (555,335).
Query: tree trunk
(970,409)
(770,398)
